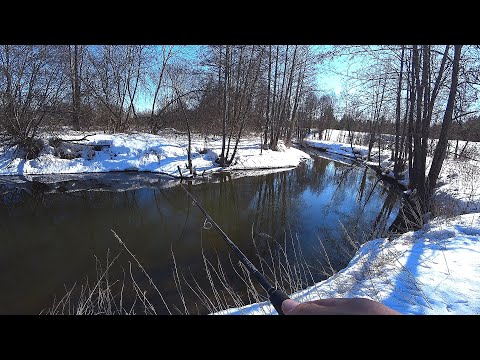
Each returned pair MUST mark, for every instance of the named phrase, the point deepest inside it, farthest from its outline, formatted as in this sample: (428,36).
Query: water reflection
(50,231)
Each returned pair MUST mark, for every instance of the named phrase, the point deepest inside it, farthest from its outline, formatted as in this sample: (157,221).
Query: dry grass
(229,283)
(103,297)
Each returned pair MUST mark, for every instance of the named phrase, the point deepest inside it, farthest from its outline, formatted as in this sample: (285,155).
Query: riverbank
(457,191)
(434,270)
(430,271)
(164,154)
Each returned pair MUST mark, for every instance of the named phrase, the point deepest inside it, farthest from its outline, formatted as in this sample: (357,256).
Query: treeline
(416,94)
(221,90)
(468,130)
(82,87)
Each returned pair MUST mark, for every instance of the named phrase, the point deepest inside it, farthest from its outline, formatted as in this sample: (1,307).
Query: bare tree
(377,107)
(114,79)
(158,73)
(32,84)
(74,55)
(441,148)
(178,75)
(238,69)
(397,155)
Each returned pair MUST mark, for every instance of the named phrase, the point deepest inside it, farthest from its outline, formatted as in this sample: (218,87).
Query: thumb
(288,305)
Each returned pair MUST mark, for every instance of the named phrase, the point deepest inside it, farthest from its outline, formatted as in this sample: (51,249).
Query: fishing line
(276,296)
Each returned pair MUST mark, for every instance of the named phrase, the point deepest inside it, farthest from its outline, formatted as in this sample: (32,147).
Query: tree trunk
(225,112)
(267,121)
(418,119)
(189,149)
(403,149)
(287,100)
(397,156)
(425,124)
(165,58)
(272,117)
(75,79)
(463,149)
(413,91)
(379,126)
(241,115)
(295,103)
(278,120)
(440,150)
(248,106)
(376,116)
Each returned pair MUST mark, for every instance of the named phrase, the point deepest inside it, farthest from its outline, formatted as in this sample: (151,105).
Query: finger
(331,301)
(309,308)
(288,305)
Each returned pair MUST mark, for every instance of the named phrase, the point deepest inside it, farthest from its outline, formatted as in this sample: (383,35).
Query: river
(55,231)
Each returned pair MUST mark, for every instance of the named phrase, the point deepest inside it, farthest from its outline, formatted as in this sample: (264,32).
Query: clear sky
(329,78)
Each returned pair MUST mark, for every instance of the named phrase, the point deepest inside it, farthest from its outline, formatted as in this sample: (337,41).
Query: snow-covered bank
(351,151)
(146,152)
(337,148)
(457,189)
(435,270)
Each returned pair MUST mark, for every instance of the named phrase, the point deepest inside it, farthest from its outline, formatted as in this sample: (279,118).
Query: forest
(410,99)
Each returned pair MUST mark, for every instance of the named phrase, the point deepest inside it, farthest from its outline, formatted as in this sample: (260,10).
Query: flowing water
(53,229)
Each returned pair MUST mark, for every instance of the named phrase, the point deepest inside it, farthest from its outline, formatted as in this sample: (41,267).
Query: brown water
(53,228)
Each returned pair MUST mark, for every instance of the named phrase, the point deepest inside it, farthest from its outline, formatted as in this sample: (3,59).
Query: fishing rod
(276,296)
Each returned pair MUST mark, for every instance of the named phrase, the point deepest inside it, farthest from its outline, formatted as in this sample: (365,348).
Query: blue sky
(329,80)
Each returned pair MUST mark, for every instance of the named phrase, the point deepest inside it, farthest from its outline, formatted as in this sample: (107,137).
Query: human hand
(355,306)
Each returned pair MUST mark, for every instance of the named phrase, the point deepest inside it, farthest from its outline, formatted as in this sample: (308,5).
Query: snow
(337,148)
(457,191)
(351,151)
(435,270)
(147,152)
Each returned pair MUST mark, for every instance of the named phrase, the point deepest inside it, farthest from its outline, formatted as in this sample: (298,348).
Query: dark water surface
(53,228)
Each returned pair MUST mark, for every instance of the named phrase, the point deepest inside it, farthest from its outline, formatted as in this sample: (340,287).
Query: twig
(142,268)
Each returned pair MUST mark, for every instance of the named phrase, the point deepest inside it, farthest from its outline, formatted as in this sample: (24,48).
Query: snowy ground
(435,270)
(350,151)
(337,148)
(458,190)
(145,152)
